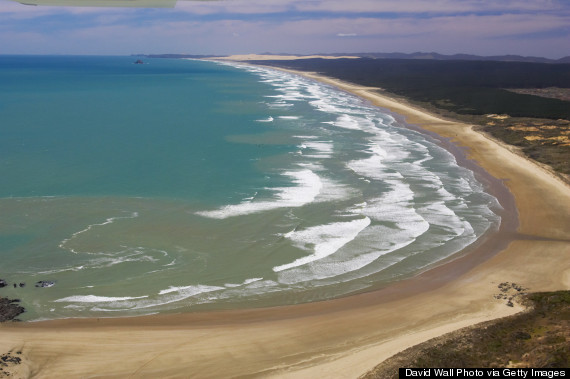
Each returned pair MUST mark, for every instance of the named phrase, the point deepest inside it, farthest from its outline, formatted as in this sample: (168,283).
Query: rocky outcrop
(45,283)
(9,309)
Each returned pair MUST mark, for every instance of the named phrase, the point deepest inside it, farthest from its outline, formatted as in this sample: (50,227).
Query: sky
(223,27)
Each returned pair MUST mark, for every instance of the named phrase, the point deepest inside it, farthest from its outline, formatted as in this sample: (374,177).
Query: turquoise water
(104,126)
(179,185)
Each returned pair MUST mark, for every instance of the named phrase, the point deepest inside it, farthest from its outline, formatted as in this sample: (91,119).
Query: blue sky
(483,27)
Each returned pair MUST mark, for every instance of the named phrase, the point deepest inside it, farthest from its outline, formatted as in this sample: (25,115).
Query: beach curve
(337,338)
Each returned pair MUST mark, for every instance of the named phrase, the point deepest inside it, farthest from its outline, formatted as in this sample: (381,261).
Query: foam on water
(119,304)
(323,240)
(245,283)
(63,244)
(105,261)
(307,186)
(317,149)
(421,207)
(95,299)
(353,123)
(345,199)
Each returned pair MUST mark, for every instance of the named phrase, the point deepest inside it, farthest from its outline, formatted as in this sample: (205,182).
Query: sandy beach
(341,338)
(257,57)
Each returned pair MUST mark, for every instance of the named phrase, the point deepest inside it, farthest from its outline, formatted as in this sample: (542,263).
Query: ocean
(185,185)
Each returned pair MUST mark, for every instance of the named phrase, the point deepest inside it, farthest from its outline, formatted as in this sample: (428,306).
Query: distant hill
(418,55)
(442,57)
(462,57)
(177,56)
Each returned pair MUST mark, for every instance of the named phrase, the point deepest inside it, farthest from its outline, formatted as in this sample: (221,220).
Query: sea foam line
(110,220)
(326,239)
(308,186)
(95,299)
(117,304)
(387,162)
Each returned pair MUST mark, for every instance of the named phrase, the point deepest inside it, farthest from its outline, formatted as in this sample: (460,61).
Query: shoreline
(343,337)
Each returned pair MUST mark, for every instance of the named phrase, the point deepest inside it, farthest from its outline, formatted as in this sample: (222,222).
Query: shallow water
(181,185)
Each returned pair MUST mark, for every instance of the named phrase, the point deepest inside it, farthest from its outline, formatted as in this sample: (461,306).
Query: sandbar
(340,338)
(261,57)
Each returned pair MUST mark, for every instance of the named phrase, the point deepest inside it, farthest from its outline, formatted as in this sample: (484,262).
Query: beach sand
(341,338)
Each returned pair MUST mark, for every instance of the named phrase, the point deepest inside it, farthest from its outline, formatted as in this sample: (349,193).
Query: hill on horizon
(416,55)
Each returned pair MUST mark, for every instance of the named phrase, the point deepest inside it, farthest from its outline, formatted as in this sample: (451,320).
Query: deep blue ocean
(180,185)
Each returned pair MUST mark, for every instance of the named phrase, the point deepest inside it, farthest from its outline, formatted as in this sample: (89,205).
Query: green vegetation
(463,87)
(539,337)
(546,141)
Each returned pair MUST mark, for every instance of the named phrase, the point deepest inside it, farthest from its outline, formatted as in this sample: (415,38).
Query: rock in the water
(45,283)
(3,283)
(9,310)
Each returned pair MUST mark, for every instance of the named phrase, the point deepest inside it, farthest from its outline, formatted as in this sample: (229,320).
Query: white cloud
(295,26)
(102,3)
(234,6)
(427,6)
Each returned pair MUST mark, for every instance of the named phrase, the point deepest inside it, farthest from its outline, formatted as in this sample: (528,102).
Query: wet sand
(341,338)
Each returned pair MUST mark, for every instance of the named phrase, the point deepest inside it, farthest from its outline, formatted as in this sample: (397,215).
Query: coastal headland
(341,338)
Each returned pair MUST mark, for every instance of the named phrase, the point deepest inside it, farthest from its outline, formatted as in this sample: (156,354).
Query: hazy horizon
(528,28)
